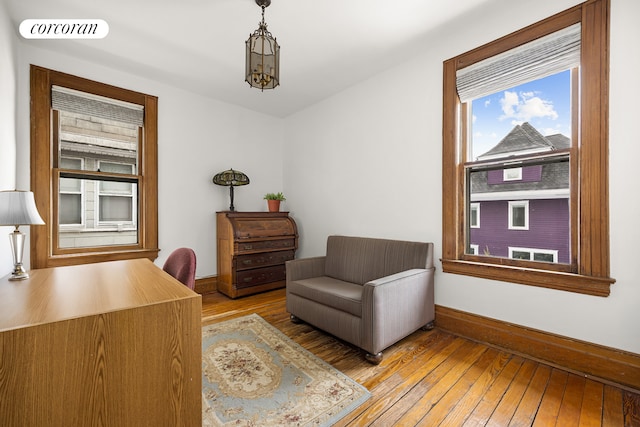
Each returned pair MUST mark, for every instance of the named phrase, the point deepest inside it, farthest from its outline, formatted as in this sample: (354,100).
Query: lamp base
(17,246)
(18,273)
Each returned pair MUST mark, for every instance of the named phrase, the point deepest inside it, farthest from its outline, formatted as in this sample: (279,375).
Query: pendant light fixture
(262,68)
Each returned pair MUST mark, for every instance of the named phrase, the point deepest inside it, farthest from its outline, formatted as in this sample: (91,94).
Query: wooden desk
(108,344)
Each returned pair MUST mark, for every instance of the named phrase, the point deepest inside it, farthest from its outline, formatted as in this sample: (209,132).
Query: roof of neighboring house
(525,137)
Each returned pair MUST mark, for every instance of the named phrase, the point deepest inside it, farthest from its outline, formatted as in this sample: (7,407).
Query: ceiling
(198,45)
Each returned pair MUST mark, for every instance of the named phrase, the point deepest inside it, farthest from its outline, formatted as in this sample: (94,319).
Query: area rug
(254,375)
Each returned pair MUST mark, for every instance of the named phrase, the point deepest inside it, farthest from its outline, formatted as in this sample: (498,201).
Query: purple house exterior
(522,211)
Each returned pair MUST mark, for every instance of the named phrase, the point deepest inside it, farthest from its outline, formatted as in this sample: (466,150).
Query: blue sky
(544,103)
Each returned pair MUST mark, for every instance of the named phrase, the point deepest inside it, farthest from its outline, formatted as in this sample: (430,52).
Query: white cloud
(525,106)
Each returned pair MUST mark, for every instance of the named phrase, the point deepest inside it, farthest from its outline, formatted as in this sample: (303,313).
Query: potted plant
(273,201)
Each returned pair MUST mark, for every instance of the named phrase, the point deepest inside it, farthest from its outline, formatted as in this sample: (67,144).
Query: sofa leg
(295,319)
(429,326)
(374,358)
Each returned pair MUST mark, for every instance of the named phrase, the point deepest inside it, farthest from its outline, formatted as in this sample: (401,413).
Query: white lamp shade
(18,208)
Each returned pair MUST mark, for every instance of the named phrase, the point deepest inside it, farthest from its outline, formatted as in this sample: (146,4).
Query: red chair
(181,264)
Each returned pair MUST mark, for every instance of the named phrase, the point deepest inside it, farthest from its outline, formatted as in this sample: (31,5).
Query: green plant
(275,196)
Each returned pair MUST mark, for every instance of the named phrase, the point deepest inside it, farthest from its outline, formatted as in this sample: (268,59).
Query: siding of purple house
(548,228)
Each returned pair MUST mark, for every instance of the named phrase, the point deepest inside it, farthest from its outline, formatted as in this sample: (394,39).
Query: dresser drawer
(258,276)
(263,259)
(265,245)
(255,228)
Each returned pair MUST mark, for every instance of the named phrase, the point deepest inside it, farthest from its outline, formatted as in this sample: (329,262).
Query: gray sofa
(369,292)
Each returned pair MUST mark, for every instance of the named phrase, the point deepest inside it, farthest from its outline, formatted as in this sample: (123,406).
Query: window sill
(92,257)
(570,282)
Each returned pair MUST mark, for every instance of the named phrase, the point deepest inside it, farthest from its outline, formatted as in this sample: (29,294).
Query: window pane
(66,184)
(524,203)
(116,208)
(518,216)
(94,140)
(544,104)
(521,255)
(94,219)
(543,257)
(70,208)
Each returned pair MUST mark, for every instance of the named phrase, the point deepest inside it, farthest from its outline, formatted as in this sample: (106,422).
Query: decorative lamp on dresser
(252,250)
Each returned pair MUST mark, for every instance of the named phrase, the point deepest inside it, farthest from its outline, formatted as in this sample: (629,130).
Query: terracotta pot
(274,205)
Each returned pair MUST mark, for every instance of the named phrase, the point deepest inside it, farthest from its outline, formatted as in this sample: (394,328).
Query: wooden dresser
(108,344)
(252,249)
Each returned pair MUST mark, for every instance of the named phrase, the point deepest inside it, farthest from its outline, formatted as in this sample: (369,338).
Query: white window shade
(539,58)
(74,101)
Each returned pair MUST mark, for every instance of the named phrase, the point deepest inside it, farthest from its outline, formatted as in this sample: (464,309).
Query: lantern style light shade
(262,69)
(18,208)
(230,178)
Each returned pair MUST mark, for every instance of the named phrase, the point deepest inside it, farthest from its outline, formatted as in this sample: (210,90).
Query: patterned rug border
(330,419)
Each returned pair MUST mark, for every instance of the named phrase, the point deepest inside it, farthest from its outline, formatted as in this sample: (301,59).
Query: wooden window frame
(588,272)
(44,253)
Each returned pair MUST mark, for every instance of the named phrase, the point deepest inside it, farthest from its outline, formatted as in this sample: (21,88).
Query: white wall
(8,66)
(198,137)
(368,162)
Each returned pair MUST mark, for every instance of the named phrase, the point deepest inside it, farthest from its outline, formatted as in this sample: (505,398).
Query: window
(542,255)
(116,199)
(474,213)
(94,163)
(571,47)
(519,215)
(70,204)
(512,174)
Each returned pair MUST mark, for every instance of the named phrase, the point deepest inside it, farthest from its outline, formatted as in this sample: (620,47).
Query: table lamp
(18,208)
(231,178)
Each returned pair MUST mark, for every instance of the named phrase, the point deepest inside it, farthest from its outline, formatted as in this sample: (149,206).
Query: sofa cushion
(328,291)
(360,259)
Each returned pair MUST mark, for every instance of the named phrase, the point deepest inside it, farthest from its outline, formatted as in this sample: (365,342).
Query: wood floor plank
(631,409)
(550,405)
(456,366)
(481,386)
(528,407)
(592,400)
(437,378)
(512,397)
(612,407)
(482,412)
(420,382)
(402,380)
(451,398)
(571,404)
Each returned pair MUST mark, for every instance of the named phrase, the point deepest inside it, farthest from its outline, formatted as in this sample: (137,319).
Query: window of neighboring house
(116,199)
(562,174)
(474,213)
(533,254)
(512,174)
(94,162)
(519,215)
(70,204)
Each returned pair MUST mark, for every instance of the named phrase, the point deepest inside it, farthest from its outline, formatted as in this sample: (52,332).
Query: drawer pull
(248,247)
(248,279)
(246,262)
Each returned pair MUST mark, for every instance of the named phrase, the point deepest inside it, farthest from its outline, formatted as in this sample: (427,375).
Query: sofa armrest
(305,268)
(395,306)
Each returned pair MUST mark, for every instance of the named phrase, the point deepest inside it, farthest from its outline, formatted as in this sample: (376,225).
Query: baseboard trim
(206,285)
(605,364)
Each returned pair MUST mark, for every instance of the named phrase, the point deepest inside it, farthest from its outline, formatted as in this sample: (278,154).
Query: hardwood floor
(434,378)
